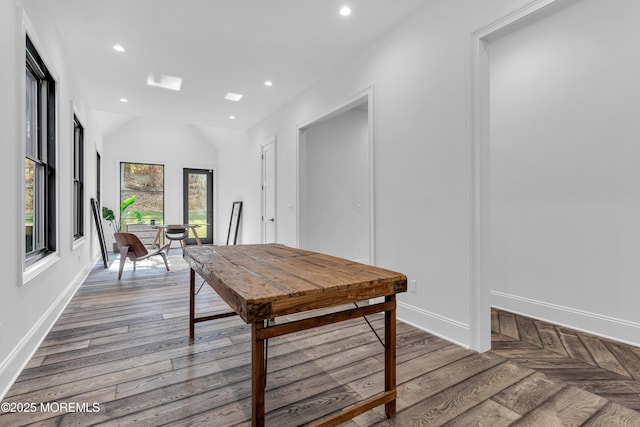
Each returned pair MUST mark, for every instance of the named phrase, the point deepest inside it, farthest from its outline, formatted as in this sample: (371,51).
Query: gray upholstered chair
(175,232)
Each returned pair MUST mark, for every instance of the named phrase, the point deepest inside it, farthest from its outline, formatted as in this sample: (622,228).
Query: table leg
(390,354)
(195,234)
(192,303)
(156,240)
(258,377)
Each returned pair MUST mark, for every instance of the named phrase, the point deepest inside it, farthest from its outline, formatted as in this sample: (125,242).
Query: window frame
(41,150)
(78,178)
(134,207)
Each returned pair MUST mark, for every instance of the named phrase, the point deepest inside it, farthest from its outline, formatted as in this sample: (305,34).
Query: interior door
(269,191)
(198,203)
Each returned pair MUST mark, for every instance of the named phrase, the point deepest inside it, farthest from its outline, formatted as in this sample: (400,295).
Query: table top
(269,280)
(175,225)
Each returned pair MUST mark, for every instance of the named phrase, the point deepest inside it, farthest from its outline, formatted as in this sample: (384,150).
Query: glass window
(78,179)
(39,166)
(145,183)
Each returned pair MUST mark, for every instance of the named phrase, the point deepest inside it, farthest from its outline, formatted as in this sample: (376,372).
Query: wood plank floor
(607,368)
(124,345)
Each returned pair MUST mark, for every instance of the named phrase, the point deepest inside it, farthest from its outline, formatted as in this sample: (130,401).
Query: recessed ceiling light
(124,100)
(165,82)
(232,117)
(118,48)
(233,96)
(268,83)
(345,11)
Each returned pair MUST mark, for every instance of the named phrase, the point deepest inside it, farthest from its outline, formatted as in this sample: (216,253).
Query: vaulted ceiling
(215,46)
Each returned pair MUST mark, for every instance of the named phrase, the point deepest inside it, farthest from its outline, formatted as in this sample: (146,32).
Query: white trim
(31,271)
(435,324)
(39,267)
(592,323)
(14,363)
(479,149)
(75,243)
(271,139)
(372,183)
(337,109)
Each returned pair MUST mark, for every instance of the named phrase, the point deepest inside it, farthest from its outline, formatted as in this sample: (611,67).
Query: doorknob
(271,220)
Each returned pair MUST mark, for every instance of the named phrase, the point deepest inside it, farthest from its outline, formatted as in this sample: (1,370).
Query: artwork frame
(234,222)
(95,208)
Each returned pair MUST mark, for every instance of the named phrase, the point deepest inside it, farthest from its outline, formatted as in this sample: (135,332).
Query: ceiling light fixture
(165,82)
(345,11)
(118,48)
(124,100)
(232,117)
(268,83)
(233,96)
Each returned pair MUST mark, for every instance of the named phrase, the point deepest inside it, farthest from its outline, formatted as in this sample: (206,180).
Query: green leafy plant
(111,217)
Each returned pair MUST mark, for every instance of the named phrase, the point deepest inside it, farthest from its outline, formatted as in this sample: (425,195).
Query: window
(40,158)
(98,178)
(78,179)
(145,182)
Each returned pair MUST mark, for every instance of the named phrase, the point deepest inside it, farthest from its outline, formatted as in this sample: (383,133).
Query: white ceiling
(216,46)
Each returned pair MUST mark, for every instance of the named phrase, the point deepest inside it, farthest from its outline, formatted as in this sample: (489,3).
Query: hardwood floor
(124,345)
(604,367)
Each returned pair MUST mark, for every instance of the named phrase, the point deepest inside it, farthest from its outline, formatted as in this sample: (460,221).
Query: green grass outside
(196,217)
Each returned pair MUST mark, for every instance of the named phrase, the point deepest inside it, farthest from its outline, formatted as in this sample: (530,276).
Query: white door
(269,191)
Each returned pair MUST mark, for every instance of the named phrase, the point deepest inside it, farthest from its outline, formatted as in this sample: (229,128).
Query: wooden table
(262,282)
(161,227)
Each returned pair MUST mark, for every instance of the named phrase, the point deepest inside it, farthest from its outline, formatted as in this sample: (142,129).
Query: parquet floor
(607,368)
(124,346)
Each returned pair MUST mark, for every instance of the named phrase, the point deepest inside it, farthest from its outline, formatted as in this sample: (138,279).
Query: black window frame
(123,189)
(40,149)
(78,179)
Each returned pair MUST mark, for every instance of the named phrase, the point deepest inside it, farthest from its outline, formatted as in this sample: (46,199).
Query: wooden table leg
(195,234)
(192,303)
(258,377)
(156,240)
(390,354)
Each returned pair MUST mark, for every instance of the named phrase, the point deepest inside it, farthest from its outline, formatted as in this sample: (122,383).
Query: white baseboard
(14,363)
(592,323)
(443,327)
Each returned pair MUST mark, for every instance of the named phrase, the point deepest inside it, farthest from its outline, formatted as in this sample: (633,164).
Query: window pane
(146,183)
(29,202)
(31,115)
(39,206)
(197,210)
(76,206)
(78,179)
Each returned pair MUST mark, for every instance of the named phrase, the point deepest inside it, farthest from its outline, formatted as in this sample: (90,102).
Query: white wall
(176,146)
(565,157)
(334,205)
(421,154)
(28,310)
(239,181)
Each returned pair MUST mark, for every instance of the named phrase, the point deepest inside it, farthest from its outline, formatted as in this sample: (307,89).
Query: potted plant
(109,215)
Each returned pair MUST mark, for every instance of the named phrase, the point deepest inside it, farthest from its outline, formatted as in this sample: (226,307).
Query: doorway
(268,193)
(335,181)
(198,203)
(480,177)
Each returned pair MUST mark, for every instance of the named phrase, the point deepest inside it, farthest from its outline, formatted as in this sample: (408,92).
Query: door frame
(271,139)
(210,203)
(365,95)
(478,114)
